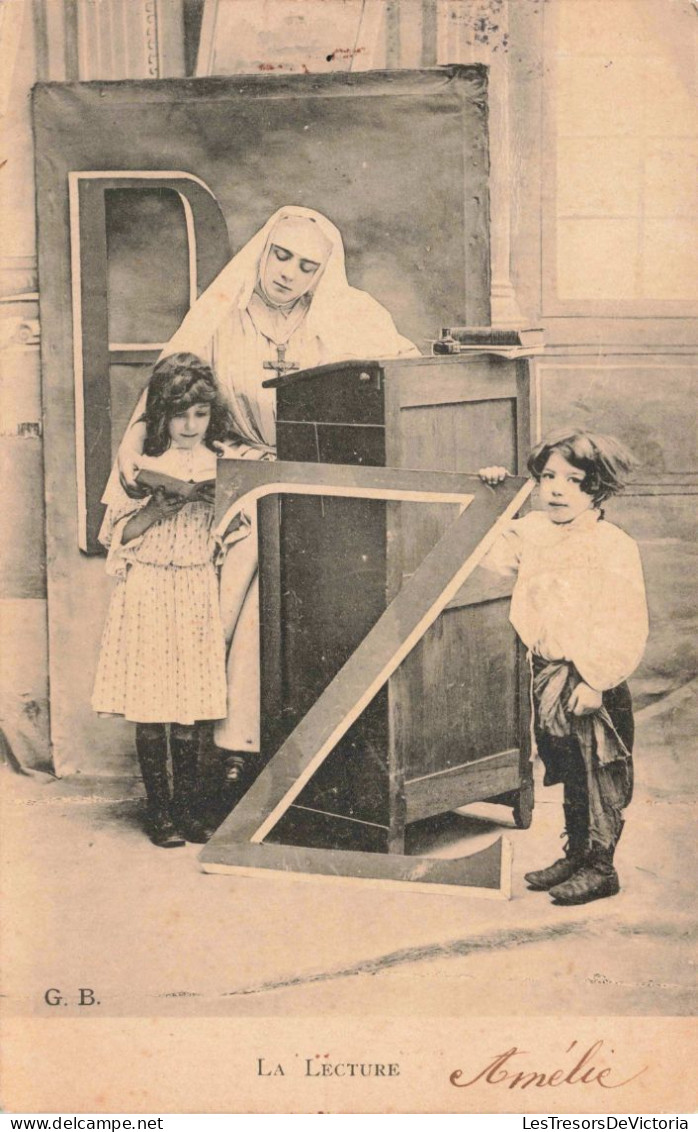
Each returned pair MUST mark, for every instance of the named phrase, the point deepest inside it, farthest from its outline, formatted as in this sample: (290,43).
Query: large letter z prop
(481,513)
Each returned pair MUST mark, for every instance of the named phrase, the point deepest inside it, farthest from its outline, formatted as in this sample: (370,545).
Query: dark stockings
(185,743)
(151,748)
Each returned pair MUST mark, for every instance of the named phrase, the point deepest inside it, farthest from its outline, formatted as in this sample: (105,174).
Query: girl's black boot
(186,801)
(151,747)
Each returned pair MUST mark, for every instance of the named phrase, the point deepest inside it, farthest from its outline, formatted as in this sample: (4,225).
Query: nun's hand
(128,470)
(493,475)
(164,504)
(206,493)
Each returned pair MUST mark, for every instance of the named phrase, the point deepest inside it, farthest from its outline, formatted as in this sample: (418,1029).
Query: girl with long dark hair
(162,660)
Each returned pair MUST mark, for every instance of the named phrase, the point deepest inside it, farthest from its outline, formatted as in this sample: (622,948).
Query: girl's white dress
(162,658)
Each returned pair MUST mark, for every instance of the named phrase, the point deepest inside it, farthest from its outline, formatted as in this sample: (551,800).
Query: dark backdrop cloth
(398,160)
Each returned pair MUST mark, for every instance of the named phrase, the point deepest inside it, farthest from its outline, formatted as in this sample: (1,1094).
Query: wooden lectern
(451,725)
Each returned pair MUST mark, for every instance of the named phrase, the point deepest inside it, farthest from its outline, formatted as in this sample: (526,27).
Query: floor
(91,903)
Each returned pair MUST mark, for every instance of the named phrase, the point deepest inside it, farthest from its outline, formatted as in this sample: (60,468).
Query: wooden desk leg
(524,802)
(398,810)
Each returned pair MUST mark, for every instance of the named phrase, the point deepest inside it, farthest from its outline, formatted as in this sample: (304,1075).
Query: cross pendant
(281,366)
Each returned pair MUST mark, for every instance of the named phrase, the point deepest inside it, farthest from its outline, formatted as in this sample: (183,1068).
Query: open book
(191,490)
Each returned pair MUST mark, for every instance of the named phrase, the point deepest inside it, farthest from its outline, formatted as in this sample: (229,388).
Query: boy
(579,606)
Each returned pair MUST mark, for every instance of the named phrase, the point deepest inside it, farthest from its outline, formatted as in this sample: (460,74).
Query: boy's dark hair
(176,383)
(603,459)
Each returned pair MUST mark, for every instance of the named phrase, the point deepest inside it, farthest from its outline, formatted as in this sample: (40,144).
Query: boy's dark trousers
(595,796)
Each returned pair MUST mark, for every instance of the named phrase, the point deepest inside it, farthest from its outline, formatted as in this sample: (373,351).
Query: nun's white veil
(343,321)
(348,323)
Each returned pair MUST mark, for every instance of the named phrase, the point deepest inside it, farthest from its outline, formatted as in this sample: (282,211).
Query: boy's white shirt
(579,594)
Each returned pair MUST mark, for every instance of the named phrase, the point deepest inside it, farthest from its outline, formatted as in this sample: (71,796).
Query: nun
(285,294)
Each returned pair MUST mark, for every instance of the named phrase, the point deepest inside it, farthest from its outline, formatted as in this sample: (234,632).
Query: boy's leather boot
(151,747)
(186,795)
(595,880)
(575,854)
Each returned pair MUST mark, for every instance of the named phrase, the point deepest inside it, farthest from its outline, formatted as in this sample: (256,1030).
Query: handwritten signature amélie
(505,1069)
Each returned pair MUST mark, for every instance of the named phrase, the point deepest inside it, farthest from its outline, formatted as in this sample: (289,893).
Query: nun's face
(296,254)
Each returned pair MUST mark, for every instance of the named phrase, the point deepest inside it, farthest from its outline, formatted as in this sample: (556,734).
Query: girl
(162,658)
(579,606)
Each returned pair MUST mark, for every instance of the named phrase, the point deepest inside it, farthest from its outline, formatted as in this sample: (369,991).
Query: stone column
(478,32)
(130,39)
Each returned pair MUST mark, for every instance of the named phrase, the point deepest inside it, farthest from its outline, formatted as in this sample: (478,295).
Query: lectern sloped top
(437,363)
